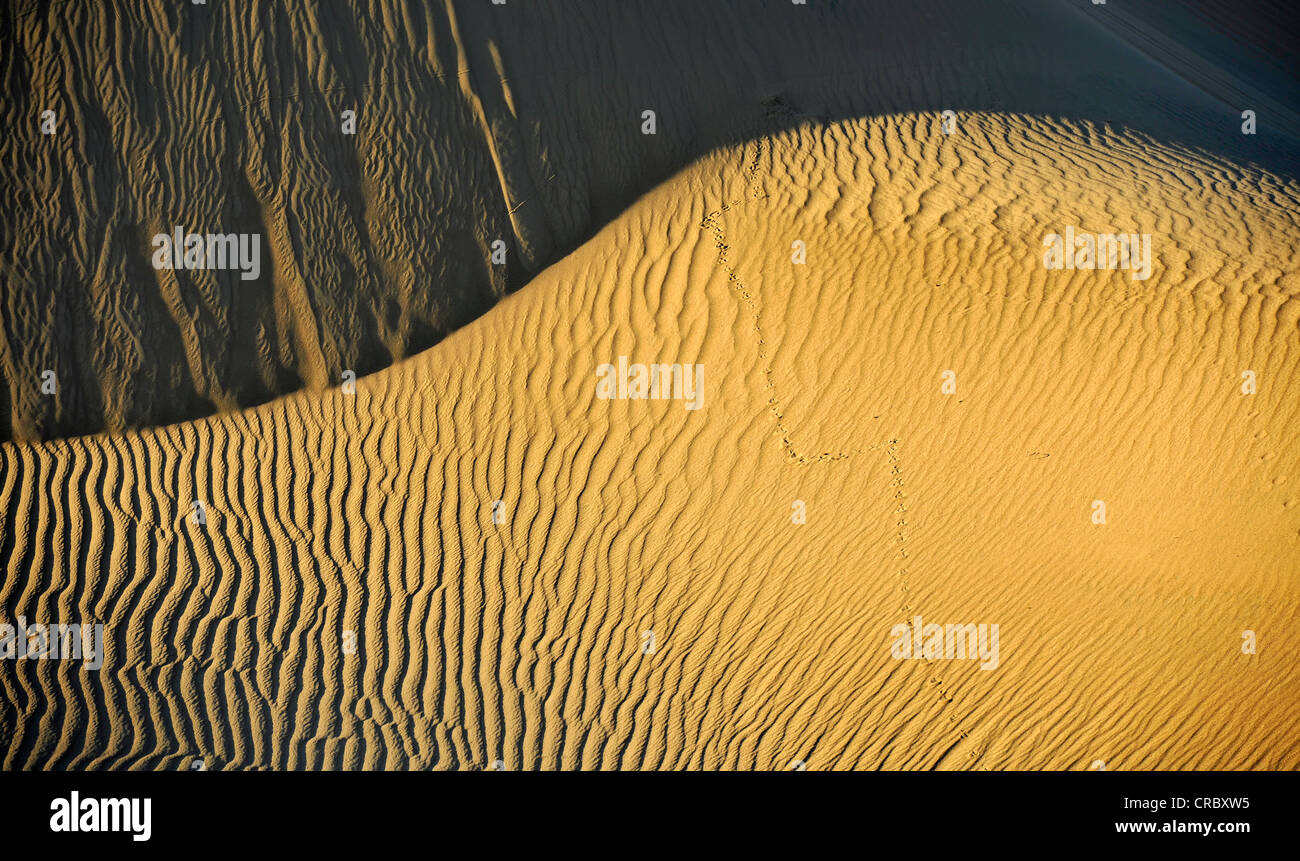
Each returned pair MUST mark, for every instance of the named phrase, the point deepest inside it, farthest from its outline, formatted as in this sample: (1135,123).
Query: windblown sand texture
(350,601)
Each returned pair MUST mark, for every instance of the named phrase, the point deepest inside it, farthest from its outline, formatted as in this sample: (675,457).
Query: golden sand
(525,642)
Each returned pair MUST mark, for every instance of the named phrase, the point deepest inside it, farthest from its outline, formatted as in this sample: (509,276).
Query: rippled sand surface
(473,561)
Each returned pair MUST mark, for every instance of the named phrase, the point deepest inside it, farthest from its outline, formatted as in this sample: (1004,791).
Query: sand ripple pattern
(475,123)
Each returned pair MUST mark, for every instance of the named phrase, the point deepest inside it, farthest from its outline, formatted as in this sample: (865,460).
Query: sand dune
(475,124)
(525,642)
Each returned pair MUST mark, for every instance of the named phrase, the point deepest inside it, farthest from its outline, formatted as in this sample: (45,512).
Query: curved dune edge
(522,642)
(489,141)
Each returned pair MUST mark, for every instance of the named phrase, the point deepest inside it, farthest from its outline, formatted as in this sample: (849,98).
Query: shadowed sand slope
(474,124)
(1243,54)
(641,595)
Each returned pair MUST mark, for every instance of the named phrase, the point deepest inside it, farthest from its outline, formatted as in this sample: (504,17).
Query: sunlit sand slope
(646,598)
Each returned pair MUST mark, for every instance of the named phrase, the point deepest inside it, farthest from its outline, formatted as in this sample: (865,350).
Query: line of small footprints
(900,509)
(712,222)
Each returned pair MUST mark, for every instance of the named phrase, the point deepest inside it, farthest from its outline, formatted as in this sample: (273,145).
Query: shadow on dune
(475,124)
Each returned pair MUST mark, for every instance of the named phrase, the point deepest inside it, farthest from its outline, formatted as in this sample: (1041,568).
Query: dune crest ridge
(407,164)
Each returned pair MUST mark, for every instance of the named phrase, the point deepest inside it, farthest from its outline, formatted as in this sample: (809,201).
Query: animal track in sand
(713,223)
